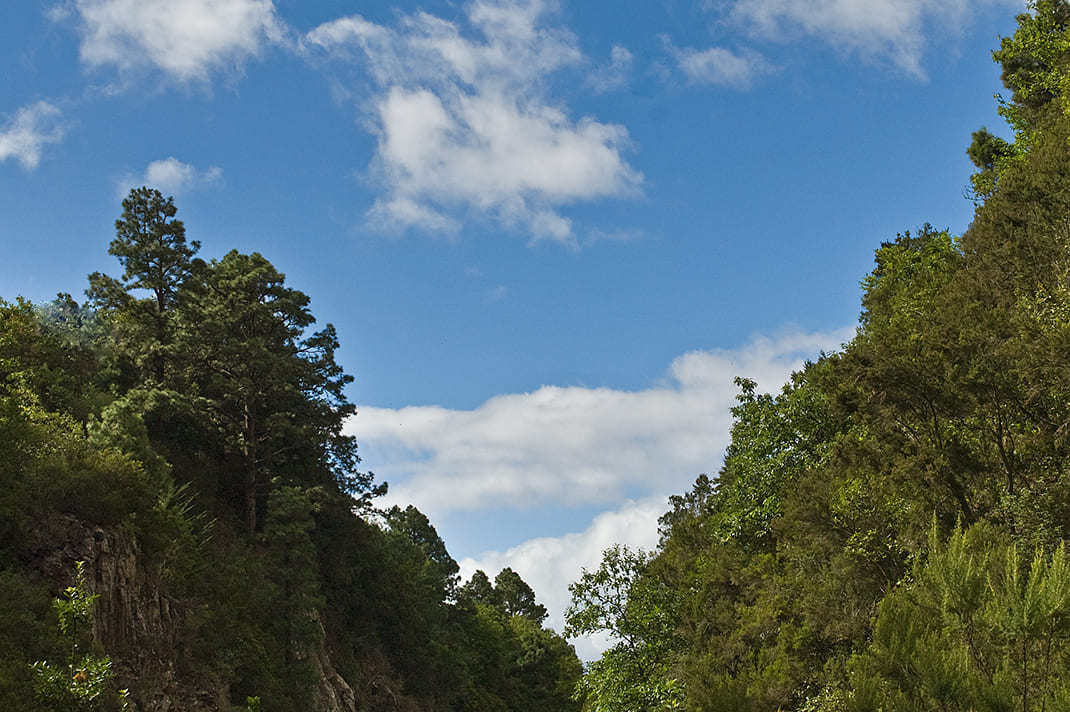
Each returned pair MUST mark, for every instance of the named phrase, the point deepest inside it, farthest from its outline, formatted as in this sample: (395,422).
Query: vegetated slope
(888,531)
(182,433)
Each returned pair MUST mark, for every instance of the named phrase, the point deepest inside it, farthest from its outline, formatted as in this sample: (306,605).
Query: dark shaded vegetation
(888,531)
(188,414)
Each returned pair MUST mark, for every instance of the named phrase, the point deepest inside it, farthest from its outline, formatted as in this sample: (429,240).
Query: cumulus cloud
(171,177)
(464,124)
(29,131)
(895,29)
(721,67)
(574,445)
(549,564)
(186,39)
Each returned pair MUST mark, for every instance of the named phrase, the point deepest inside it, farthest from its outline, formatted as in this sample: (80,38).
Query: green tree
(990,154)
(514,596)
(294,569)
(414,526)
(85,681)
(189,399)
(509,593)
(1034,62)
(906,393)
(151,246)
(478,589)
(121,427)
(543,667)
(774,442)
(979,626)
(46,360)
(621,600)
(275,394)
(243,328)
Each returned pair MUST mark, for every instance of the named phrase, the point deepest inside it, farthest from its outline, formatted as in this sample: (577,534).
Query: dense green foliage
(84,680)
(888,532)
(188,410)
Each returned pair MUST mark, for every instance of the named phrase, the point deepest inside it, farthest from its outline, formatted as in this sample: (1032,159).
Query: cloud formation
(29,131)
(172,177)
(185,39)
(573,445)
(721,67)
(613,75)
(549,564)
(464,124)
(895,29)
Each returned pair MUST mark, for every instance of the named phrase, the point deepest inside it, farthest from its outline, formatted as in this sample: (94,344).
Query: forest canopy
(188,415)
(185,524)
(888,531)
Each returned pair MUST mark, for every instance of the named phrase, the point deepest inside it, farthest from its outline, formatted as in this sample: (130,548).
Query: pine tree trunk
(249,451)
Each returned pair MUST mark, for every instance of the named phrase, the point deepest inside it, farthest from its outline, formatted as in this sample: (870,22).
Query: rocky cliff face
(141,627)
(136,623)
(333,694)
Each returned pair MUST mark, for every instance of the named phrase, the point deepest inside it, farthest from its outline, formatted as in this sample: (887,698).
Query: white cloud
(549,564)
(464,125)
(628,450)
(892,29)
(29,131)
(187,39)
(171,177)
(400,212)
(574,445)
(721,66)
(613,75)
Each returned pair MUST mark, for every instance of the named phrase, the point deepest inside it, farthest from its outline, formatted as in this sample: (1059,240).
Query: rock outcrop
(141,627)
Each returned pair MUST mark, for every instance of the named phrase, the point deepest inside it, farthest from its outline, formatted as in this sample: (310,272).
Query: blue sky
(549,234)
